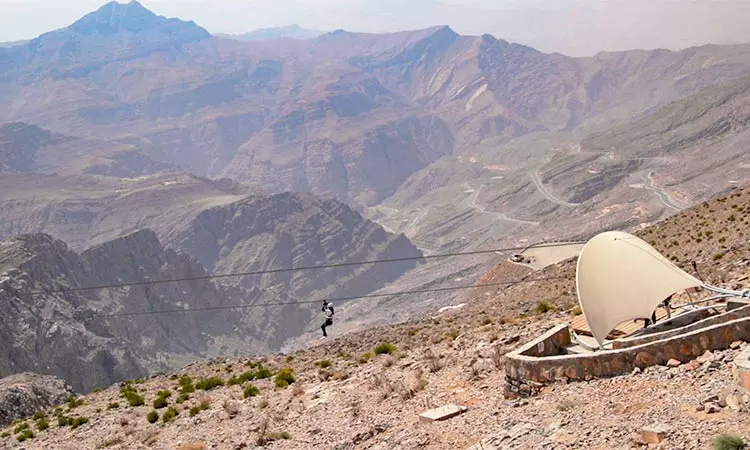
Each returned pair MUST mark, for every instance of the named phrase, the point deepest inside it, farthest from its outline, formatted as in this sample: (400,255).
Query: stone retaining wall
(535,364)
(703,323)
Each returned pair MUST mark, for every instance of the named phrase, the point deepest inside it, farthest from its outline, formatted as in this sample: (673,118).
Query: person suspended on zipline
(328,310)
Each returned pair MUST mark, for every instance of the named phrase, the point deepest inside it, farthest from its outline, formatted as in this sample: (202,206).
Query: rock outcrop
(23,394)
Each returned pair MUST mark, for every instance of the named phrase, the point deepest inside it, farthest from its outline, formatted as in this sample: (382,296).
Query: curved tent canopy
(620,277)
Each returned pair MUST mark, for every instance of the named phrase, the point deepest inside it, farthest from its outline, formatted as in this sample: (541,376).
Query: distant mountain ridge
(290,31)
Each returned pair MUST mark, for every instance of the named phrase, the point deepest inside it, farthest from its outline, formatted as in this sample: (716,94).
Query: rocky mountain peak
(115,18)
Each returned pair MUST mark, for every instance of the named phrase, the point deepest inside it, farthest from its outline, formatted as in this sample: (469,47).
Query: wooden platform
(580,326)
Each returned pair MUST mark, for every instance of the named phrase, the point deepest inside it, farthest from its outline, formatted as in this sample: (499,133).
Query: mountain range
(291,32)
(244,154)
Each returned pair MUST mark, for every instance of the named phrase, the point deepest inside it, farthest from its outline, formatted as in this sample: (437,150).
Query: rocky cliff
(58,333)
(23,394)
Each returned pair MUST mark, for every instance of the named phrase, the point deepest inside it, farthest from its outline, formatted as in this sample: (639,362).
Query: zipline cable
(296,269)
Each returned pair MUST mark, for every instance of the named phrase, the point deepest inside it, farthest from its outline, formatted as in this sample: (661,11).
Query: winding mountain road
(472,203)
(547,194)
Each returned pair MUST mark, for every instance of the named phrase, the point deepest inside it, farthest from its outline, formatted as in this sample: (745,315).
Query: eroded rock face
(23,394)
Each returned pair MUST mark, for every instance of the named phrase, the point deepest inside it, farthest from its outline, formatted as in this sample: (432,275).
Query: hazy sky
(575,27)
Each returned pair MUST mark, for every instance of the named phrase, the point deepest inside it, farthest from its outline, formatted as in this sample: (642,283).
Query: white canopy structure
(620,277)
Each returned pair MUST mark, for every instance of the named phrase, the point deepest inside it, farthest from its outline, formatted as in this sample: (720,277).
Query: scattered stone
(711,408)
(654,434)
(735,345)
(734,402)
(443,413)
(706,357)
(636,371)
(673,363)
(700,408)
(692,365)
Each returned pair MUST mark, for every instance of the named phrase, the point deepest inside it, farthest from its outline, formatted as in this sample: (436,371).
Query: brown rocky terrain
(169,227)
(23,394)
(365,389)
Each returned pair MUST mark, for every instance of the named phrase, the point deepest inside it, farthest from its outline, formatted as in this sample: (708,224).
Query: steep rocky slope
(365,389)
(226,227)
(23,394)
(52,333)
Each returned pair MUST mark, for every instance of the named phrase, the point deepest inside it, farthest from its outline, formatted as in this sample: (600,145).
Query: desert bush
(39,415)
(25,435)
(182,398)
(365,357)
(64,421)
(729,442)
(386,348)
(207,384)
(285,377)
(186,385)
(544,307)
(160,402)
(78,421)
(42,424)
(152,416)
(20,427)
(289,358)
(113,405)
(262,372)
(169,415)
(250,391)
(134,399)
(323,364)
(74,402)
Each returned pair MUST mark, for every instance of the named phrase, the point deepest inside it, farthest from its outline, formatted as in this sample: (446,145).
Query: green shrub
(544,307)
(42,424)
(234,381)
(365,357)
(97,390)
(204,405)
(207,384)
(74,402)
(134,399)
(186,385)
(285,377)
(20,427)
(152,416)
(25,434)
(78,421)
(729,442)
(250,391)
(247,376)
(164,393)
(39,415)
(169,415)
(289,358)
(160,402)
(182,398)
(262,372)
(63,421)
(113,405)
(386,348)
(323,364)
